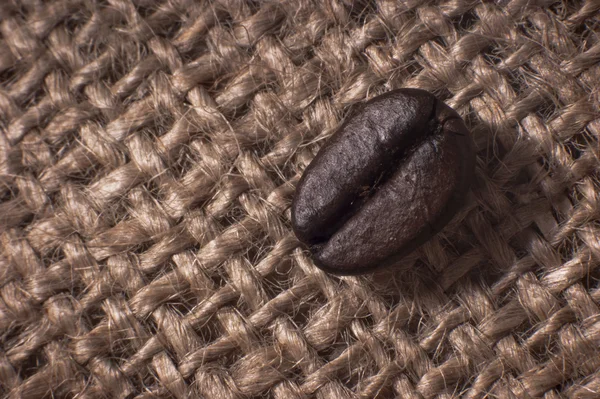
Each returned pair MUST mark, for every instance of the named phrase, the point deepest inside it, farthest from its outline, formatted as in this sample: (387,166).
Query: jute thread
(148,155)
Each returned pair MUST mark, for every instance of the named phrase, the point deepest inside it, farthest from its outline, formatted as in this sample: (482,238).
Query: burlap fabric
(148,156)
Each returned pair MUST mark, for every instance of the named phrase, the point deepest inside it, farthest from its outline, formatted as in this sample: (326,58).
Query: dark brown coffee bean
(388,180)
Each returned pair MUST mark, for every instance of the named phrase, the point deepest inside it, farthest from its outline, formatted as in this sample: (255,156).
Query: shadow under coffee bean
(393,175)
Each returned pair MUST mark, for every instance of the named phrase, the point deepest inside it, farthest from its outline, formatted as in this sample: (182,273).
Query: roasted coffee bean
(393,175)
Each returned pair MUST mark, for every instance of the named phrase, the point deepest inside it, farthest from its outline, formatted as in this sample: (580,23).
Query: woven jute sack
(149,153)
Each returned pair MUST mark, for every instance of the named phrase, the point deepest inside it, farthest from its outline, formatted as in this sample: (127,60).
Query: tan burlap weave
(148,155)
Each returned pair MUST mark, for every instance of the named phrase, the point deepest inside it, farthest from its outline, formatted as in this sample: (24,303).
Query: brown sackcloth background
(149,151)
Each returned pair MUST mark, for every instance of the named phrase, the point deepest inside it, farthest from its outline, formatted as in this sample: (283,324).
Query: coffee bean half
(393,175)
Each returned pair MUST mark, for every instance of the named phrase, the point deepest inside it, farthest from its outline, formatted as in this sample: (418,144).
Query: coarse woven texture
(148,156)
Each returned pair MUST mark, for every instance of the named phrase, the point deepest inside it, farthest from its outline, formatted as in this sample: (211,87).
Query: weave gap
(160,126)
(201,202)
(460,386)
(225,23)
(67,143)
(254,5)
(11,333)
(559,217)
(97,46)
(577,144)
(444,350)
(591,281)
(76,21)
(493,58)
(169,351)
(585,35)
(184,303)
(117,212)
(545,352)
(564,389)
(465,22)
(242,306)
(389,293)
(561,9)
(400,284)
(302,314)
(11,191)
(219,84)
(305,55)
(186,157)
(487,275)
(236,113)
(32,364)
(533,323)
(120,348)
(152,187)
(467,385)
(458,241)
(190,381)
(279,280)
(125,63)
(550,344)
(360,10)
(199,49)
(415,286)
(141,92)
(521,242)
(200,46)
(8,77)
(94,314)
(441,41)
(210,332)
(144,9)
(186,161)
(551,167)
(336,348)
(548,105)
(525,28)
(254,251)
(79,97)
(279,175)
(576,195)
(254,254)
(170,29)
(171,33)
(17,9)
(359,371)
(259,250)
(144,380)
(26,220)
(149,323)
(235,215)
(515,77)
(495,151)
(569,246)
(282,174)
(55,253)
(217,276)
(34,98)
(253,142)
(77,288)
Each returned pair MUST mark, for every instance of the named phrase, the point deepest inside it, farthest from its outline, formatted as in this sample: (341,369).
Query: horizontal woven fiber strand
(149,152)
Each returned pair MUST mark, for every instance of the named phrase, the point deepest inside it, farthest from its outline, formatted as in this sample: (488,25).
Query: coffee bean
(393,175)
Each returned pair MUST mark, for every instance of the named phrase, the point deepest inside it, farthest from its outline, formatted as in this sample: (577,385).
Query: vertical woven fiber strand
(148,156)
